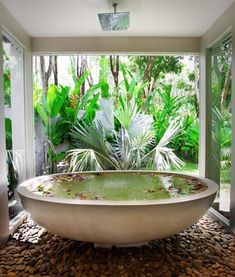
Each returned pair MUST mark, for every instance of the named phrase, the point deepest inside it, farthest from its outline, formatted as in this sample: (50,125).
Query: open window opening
(146,109)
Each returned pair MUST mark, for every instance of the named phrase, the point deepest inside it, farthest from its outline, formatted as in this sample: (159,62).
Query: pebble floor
(205,249)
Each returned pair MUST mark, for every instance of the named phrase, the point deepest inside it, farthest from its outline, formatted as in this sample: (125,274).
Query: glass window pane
(221,128)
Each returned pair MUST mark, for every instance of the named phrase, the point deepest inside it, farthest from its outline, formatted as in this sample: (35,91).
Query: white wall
(116,45)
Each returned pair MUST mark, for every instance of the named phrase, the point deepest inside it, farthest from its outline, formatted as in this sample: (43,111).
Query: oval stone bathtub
(130,208)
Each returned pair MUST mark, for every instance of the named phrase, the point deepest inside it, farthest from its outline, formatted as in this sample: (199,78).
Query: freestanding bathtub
(117,222)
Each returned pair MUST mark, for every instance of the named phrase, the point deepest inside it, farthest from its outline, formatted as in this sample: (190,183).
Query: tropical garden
(140,113)
(120,112)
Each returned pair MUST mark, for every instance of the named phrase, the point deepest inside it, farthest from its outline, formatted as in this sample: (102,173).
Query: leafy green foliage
(166,109)
(187,142)
(6,80)
(155,67)
(128,145)
(61,107)
(226,139)
(103,77)
(140,111)
(8,130)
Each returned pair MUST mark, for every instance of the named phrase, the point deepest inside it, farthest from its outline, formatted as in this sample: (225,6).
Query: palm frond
(169,134)
(83,159)
(105,116)
(93,137)
(162,158)
(226,154)
(126,112)
(140,125)
(224,164)
(122,149)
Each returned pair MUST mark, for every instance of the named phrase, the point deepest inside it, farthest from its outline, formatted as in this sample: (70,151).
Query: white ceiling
(148,17)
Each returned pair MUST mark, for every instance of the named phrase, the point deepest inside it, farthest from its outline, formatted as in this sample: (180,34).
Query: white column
(18,108)
(4,217)
(29,117)
(203,120)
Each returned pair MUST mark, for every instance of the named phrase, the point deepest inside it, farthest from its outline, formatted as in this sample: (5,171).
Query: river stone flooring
(205,249)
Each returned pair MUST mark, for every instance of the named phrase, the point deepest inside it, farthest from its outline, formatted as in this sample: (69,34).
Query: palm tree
(121,138)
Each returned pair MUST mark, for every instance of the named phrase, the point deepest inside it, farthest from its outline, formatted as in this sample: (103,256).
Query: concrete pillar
(4,217)
(18,108)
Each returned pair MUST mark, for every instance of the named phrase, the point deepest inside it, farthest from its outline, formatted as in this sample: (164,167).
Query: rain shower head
(114,21)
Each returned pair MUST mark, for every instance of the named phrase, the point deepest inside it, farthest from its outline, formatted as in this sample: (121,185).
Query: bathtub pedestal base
(106,245)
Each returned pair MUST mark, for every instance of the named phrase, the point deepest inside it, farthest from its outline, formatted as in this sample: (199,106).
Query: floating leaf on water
(149,190)
(153,175)
(104,173)
(81,178)
(160,188)
(99,174)
(40,187)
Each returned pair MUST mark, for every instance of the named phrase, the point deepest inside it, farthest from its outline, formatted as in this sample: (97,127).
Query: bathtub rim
(212,188)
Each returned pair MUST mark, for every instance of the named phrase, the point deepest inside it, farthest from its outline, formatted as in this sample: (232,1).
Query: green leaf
(124,73)
(90,111)
(80,81)
(104,90)
(103,77)
(43,114)
(8,128)
(51,98)
(55,100)
(88,95)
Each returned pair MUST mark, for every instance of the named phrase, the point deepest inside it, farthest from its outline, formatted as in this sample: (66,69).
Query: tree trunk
(226,88)
(55,70)
(114,66)
(81,67)
(148,69)
(45,74)
(196,72)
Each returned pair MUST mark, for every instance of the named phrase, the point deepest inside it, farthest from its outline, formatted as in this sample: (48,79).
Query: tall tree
(55,69)
(226,75)
(45,73)
(114,66)
(194,77)
(152,68)
(81,67)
